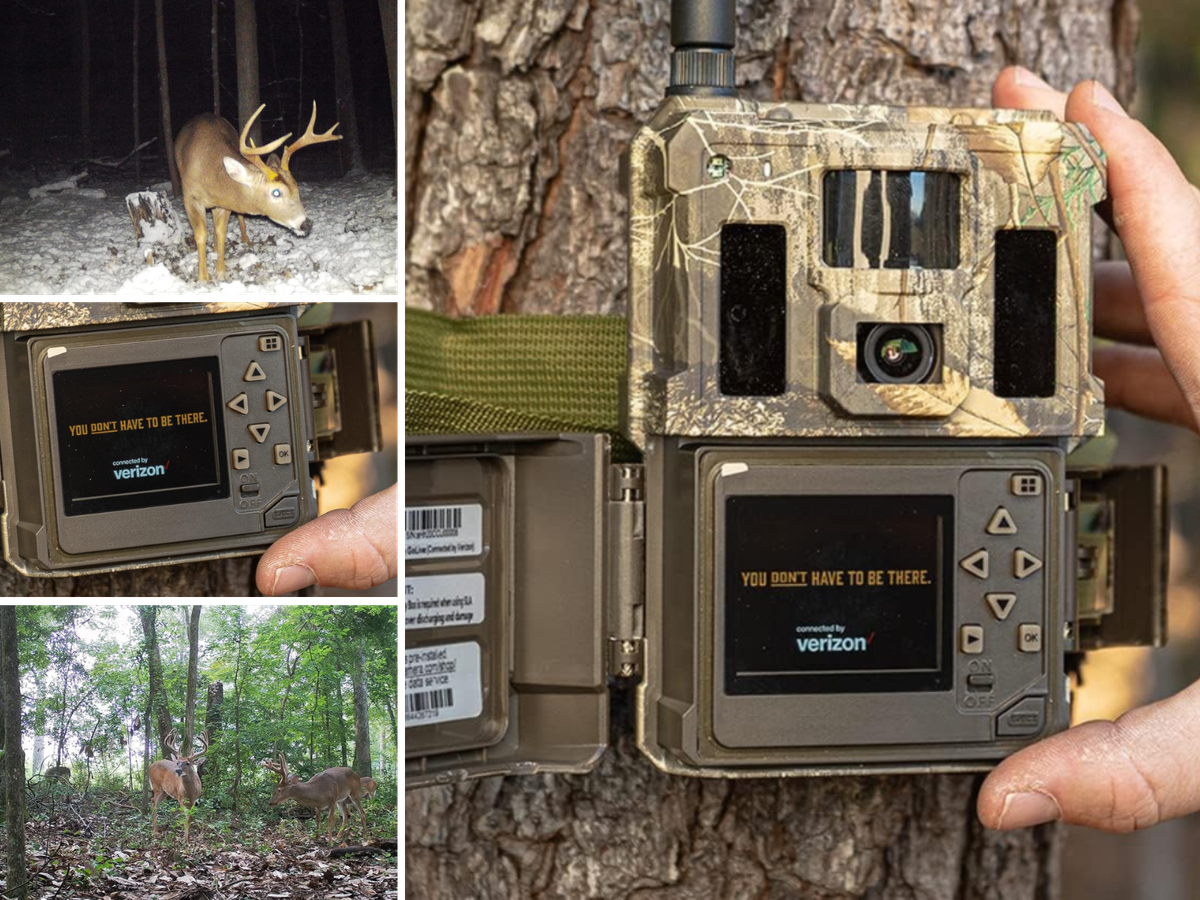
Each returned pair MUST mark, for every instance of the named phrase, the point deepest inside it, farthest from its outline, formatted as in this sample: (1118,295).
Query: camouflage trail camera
(859,358)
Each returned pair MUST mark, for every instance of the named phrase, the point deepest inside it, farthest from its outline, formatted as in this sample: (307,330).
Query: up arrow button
(1025,563)
(1001,522)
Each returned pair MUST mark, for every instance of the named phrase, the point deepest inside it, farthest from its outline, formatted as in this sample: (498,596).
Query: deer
(334,788)
(177,778)
(369,786)
(59,773)
(221,171)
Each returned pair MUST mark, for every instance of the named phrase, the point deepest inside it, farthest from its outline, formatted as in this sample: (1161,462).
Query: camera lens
(898,354)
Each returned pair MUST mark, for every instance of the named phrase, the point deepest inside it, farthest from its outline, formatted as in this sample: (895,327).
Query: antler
(272,766)
(203,738)
(255,154)
(309,138)
(283,763)
(172,743)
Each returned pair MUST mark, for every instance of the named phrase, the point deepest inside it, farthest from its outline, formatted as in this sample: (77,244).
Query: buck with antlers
(334,788)
(177,778)
(220,171)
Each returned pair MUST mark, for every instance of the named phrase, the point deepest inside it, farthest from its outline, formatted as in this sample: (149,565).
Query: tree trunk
(17,875)
(245,29)
(85,80)
(362,722)
(189,712)
(387,16)
(157,711)
(137,128)
(344,86)
(516,119)
(216,67)
(164,97)
(210,769)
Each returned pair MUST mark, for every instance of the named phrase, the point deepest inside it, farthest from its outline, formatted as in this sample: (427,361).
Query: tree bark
(362,721)
(210,769)
(164,97)
(189,712)
(344,86)
(156,711)
(16,872)
(245,28)
(516,117)
(387,16)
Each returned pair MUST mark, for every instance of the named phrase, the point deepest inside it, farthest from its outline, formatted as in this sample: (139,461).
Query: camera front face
(859,339)
(811,271)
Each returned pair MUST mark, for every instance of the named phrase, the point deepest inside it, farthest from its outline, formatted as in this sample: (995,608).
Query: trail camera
(137,434)
(859,358)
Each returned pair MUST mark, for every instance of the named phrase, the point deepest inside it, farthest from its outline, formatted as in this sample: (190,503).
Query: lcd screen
(145,434)
(837,593)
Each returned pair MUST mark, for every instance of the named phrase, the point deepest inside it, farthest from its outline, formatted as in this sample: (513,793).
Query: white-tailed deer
(177,778)
(220,171)
(334,788)
(59,773)
(369,786)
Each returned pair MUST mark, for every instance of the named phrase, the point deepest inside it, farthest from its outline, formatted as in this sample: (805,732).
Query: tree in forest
(14,758)
(245,28)
(164,97)
(344,86)
(526,110)
(189,709)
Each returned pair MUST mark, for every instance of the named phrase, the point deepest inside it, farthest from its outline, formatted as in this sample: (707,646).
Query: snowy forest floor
(81,241)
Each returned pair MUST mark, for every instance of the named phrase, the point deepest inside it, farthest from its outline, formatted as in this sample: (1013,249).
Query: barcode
(433,518)
(415,703)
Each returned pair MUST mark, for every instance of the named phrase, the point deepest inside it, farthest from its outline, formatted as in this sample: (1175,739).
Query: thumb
(1116,776)
(349,548)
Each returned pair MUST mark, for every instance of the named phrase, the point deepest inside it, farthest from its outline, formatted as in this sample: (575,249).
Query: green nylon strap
(513,373)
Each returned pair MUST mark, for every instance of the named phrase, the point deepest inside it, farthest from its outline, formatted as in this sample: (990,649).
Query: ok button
(283,454)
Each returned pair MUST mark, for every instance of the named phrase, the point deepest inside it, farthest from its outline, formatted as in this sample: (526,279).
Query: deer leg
(220,223)
(341,805)
(358,803)
(197,216)
(242,222)
(332,810)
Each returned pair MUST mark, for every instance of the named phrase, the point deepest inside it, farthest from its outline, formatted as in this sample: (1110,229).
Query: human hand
(1140,769)
(350,548)
(1148,304)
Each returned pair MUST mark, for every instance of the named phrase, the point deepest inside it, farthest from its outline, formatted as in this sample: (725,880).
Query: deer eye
(275,193)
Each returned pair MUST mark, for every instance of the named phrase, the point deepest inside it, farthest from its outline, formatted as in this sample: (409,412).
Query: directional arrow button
(1001,522)
(1025,563)
(1001,604)
(976,563)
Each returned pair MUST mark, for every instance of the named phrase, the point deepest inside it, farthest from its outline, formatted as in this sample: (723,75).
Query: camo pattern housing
(40,316)
(1017,169)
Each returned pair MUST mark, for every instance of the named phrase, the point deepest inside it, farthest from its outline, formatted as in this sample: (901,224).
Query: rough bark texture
(189,711)
(210,769)
(164,98)
(16,873)
(156,711)
(516,116)
(362,720)
(245,29)
(222,578)
(350,147)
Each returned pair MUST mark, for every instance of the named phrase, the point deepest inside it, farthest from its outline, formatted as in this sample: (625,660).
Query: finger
(1117,776)
(1119,312)
(1018,88)
(350,548)
(1157,215)
(1137,380)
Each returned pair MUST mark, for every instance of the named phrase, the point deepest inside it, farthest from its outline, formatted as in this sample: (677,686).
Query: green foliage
(287,688)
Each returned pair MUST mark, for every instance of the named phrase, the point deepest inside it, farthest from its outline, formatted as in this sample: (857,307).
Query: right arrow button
(1025,563)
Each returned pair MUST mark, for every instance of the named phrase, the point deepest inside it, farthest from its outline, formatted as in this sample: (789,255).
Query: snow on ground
(75,242)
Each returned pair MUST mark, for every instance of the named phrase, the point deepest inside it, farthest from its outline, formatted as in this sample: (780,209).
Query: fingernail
(1103,99)
(1028,808)
(292,578)
(1025,78)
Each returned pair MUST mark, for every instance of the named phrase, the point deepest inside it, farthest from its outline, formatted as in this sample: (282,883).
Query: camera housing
(857,541)
(135,434)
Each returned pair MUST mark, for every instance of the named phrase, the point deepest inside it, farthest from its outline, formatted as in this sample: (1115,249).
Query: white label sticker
(442,684)
(435,601)
(431,532)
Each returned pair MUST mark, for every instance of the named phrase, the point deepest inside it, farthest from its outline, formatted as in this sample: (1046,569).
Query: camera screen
(837,593)
(879,218)
(145,434)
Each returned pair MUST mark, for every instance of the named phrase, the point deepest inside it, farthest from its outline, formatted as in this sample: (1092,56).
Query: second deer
(334,788)
(177,778)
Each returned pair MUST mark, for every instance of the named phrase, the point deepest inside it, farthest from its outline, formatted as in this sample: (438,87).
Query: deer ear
(240,173)
(273,161)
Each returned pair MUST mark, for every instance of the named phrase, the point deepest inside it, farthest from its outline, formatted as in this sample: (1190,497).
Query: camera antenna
(702,32)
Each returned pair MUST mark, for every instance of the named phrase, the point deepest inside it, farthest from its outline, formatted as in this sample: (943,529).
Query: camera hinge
(626,569)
